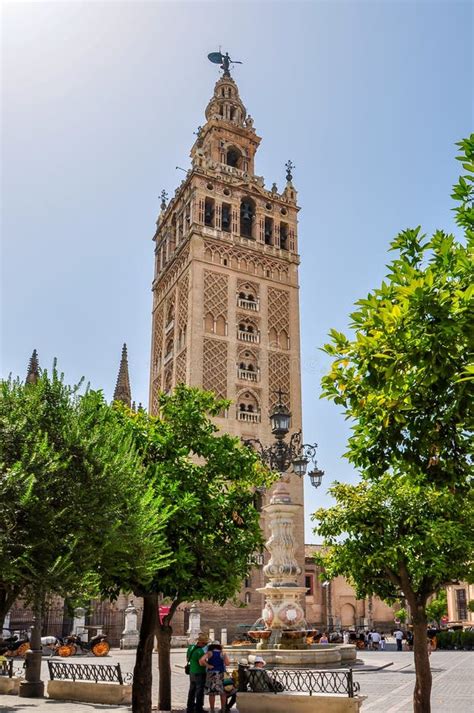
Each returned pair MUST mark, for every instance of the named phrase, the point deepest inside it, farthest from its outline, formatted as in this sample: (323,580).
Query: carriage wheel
(22,649)
(66,650)
(102,648)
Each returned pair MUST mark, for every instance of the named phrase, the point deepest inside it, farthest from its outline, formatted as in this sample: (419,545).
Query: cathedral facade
(226,296)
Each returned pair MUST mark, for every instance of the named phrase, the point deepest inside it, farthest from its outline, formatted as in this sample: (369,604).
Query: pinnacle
(33,369)
(122,388)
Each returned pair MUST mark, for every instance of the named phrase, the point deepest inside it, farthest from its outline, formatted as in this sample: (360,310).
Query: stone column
(130,634)
(194,622)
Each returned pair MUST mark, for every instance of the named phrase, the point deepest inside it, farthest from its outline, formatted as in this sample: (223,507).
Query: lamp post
(283,610)
(280,455)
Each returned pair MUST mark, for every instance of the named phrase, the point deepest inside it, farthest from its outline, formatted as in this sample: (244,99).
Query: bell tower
(225,290)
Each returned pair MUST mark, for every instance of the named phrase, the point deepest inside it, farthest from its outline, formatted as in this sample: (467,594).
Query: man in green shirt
(197,675)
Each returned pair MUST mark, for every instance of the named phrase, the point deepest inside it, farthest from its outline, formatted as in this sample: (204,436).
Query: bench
(298,690)
(88,682)
(335,682)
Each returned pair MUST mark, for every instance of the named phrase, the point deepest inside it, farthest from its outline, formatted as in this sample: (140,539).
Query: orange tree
(76,509)
(210,480)
(405,379)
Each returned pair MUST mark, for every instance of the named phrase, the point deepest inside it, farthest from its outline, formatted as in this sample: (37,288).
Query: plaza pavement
(386,678)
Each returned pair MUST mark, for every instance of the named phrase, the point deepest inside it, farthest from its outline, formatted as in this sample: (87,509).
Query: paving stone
(388,690)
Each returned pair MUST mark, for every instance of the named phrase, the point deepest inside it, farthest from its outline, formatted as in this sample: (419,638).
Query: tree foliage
(210,478)
(76,512)
(437,607)
(404,379)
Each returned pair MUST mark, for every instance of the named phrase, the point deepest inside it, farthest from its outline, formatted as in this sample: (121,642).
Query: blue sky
(99,102)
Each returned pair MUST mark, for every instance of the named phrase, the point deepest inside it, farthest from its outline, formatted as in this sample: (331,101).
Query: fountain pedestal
(283,610)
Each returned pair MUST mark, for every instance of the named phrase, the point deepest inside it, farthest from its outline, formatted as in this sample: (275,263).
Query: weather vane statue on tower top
(224,60)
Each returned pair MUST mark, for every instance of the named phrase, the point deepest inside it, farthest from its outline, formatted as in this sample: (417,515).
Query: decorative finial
(274,188)
(33,369)
(122,388)
(198,131)
(289,167)
(224,60)
(164,198)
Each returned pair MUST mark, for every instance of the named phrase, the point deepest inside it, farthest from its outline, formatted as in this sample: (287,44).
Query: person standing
(197,675)
(398,634)
(375,638)
(215,661)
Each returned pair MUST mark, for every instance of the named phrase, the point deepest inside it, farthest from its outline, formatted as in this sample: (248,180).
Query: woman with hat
(215,661)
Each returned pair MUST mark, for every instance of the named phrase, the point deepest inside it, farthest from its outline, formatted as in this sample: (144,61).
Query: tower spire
(122,387)
(33,369)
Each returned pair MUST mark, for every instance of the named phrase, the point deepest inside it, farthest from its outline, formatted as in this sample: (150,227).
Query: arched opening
(272,337)
(248,408)
(284,341)
(268,231)
(226,217)
(348,616)
(209,322)
(284,236)
(233,157)
(247,217)
(209,212)
(221,326)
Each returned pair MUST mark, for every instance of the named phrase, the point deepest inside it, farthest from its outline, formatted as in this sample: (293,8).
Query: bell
(246,212)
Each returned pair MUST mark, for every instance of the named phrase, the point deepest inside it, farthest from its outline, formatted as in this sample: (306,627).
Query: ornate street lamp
(280,456)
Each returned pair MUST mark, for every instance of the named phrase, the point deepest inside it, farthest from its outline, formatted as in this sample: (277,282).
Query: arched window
(226,217)
(233,157)
(209,212)
(209,322)
(247,217)
(268,231)
(284,236)
(221,326)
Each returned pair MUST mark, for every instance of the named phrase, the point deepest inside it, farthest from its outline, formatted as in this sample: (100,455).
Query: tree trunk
(163,633)
(422,692)
(7,599)
(142,673)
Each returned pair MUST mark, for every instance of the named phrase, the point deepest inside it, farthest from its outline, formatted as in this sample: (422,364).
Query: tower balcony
(248,416)
(247,375)
(252,337)
(248,304)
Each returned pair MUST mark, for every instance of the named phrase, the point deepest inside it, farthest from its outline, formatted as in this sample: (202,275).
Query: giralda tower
(225,294)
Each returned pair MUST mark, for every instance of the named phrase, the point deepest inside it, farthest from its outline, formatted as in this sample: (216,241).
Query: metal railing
(338,682)
(107,673)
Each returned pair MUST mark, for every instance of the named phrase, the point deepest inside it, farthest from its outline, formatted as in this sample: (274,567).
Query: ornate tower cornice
(122,388)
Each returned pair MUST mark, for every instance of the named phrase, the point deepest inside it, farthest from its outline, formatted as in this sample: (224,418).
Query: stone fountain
(283,640)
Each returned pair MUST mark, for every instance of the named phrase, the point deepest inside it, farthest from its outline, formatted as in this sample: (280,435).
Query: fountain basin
(316,656)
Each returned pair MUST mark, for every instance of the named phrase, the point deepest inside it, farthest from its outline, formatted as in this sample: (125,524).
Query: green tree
(401,615)
(437,607)
(211,479)
(405,382)
(77,513)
